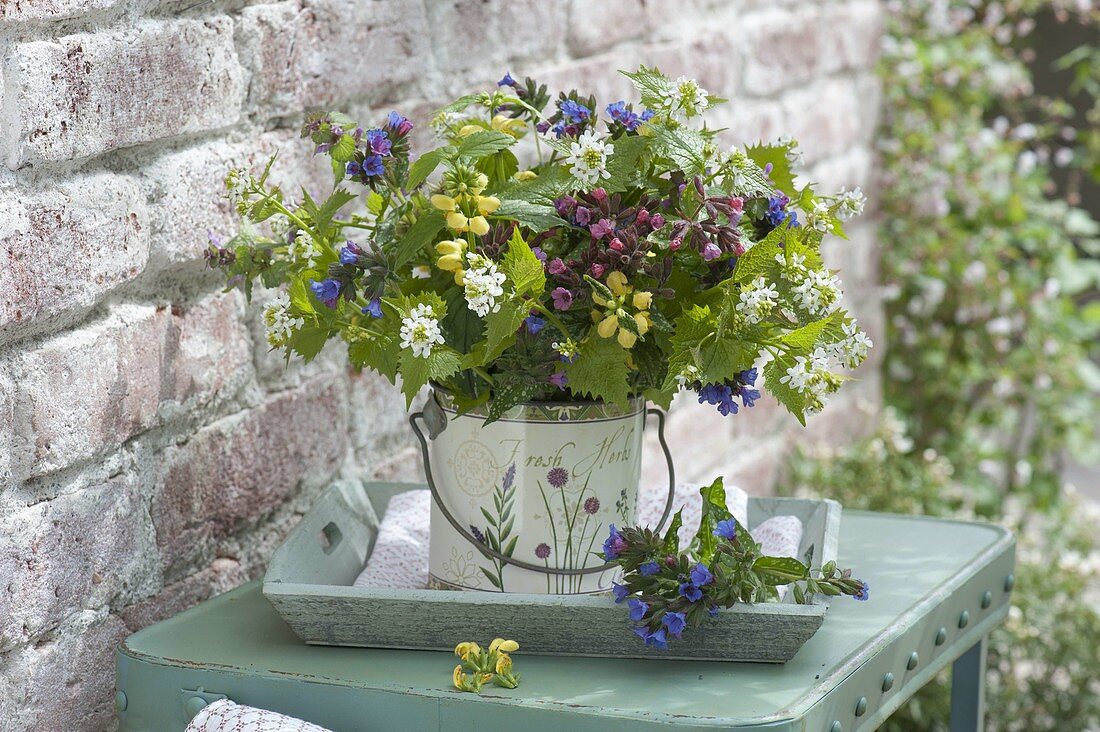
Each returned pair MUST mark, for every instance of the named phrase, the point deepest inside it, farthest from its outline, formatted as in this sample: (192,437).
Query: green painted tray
(310,576)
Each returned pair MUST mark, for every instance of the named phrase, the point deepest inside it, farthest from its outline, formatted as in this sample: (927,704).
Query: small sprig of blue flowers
(667,590)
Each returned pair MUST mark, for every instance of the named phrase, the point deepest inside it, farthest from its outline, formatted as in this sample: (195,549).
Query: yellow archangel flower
(451,253)
(503,646)
(464,649)
(612,319)
(457,219)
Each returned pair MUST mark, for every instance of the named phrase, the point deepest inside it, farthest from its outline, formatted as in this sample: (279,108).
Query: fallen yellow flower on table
(479,666)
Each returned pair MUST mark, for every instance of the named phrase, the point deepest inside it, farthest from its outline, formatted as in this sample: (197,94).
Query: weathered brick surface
(243,467)
(153,450)
(16,10)
(326,52)
(79,95)
(79,550)
(97,387)
(63,250)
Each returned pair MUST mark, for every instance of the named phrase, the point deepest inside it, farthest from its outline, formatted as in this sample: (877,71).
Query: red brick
(222,575)
(79,95)
(62,251)
(235,471)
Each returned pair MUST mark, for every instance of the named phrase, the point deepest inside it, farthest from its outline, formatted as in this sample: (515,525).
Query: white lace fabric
(226,716)
(400,556)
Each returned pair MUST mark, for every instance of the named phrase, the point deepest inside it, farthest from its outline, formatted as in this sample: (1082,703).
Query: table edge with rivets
(938,587)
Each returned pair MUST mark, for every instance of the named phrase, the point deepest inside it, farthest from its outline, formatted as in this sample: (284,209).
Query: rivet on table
(964,619)
(1010,582)
(888,679)
(194,705)
(914,659)
(121,701)
(861,706)
(987,599)
(941,636)
(836,726)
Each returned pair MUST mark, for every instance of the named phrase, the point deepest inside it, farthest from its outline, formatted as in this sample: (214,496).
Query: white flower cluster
(818,293)
(688,375)
(812,378)
(684,97)
(280,227)
(850,203)
(304,251)
(567,349)
(483,284)
(854,348)
(588,158)
(820,218)
(757,300)
(420,331)
(280,324)
(236,185)
(794,152)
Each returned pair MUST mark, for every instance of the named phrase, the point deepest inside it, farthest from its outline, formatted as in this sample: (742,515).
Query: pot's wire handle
(487,550)
(660,415)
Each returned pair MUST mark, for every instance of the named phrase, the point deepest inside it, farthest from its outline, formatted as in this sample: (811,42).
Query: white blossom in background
(588,158)
(280,227)
(685,96)
(420,331)
(484,284)
(818,293)
(280,324)
(421,272)
(851,203)
(757,300)
(794,152)
(236,182)
(303,251)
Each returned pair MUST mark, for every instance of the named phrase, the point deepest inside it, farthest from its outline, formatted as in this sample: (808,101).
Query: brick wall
(152,452)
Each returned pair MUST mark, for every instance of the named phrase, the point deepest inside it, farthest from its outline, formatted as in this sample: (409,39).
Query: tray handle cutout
(330,537)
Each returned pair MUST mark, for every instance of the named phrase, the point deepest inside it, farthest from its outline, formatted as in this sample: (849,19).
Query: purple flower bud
(542,127)
(711,251)
(600,195)
(616,244)
(542,551)
(539,254)
(563,298)
(601,228)
(657,221)
(558,379)
(582,216)
(596,270)
(373,308)
(556,266)
(327,291)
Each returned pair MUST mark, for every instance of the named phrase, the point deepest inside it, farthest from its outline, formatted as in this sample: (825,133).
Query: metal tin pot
(524,503)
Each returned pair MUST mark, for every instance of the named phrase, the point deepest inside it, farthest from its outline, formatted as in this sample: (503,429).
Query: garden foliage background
(152,452)
(991,277)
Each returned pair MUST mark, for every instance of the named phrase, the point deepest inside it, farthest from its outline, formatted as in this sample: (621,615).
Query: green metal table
(937,588)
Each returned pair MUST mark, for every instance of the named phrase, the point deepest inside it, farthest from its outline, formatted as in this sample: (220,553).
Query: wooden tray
(310,576)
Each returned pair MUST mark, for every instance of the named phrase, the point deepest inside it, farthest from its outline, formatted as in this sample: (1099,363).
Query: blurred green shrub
(991,287)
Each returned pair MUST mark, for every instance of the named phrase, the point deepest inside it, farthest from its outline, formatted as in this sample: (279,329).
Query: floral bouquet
(668,590)
(543,253)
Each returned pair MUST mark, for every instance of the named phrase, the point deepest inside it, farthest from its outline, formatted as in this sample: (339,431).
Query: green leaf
(308,341)
(511,546)
(300,299)
(600,370)
(623,163)
(683,145)
(651,84)
(508,392)
(425,165)
(801,341)
(380,353)
(775,370)
(545,189)
(755,181)
(458,105)
(343,149)
(488,517)
(714,510)
(672,533)
(443,363)
(531,215)
(781,175)
(375,203)
(760,258)
(419,235)
(780,570)
(485,142)
(491,577)
(523,268)
(332,205)
(501,327)
(414,372)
